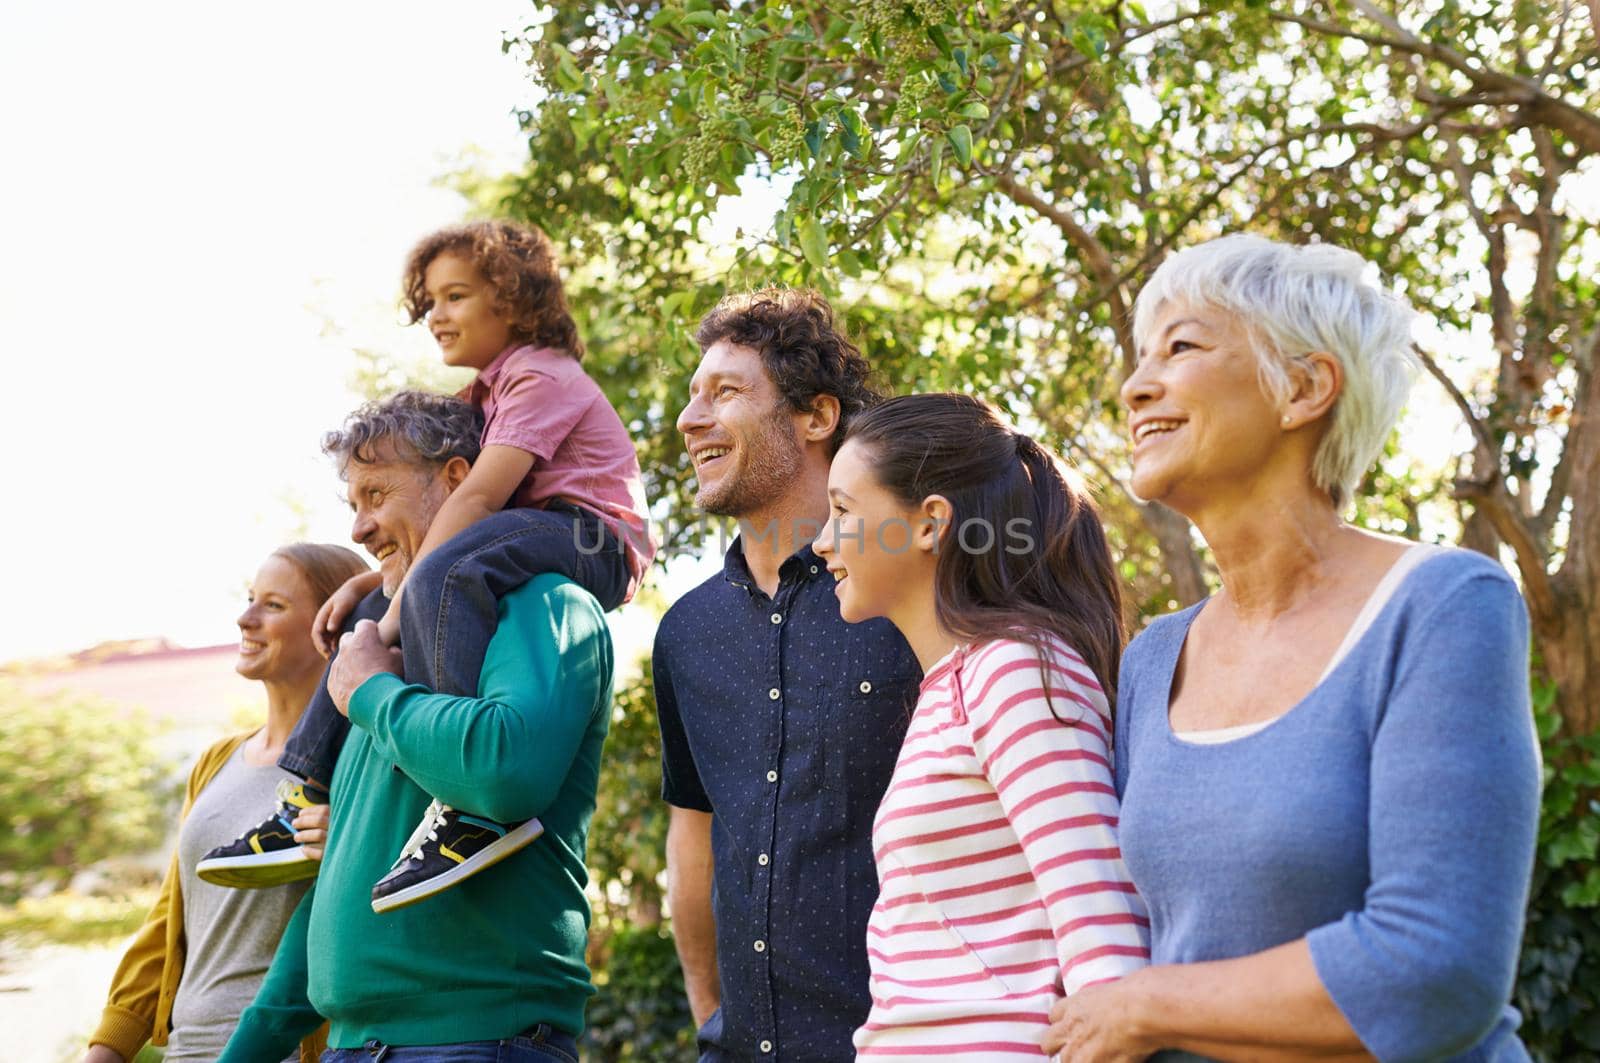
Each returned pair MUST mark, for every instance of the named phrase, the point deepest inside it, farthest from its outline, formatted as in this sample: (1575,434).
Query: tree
(986,185)
(989,183)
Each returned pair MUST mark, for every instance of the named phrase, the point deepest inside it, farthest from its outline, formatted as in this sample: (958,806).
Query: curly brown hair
(802,346)
(519,263)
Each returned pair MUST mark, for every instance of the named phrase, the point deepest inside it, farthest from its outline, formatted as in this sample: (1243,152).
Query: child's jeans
(452,606)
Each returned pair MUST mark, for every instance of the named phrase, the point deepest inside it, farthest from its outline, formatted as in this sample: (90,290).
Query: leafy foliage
(640,1011)
(78,782)
(1558,985)
(985,186)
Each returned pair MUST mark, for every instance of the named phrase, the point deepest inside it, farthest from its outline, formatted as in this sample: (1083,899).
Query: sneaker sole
(258,870)
(515,839)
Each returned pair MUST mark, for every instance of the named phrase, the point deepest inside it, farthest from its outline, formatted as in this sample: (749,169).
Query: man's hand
(102,1054)
(362,655)
(311,830)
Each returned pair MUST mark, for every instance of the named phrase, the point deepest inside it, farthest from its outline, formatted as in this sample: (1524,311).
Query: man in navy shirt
(780,723)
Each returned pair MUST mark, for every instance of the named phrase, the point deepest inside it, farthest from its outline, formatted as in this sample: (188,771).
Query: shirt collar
(484,381)
(803,562)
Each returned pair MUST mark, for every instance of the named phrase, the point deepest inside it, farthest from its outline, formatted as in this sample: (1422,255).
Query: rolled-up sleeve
(1424,968)
(680,779)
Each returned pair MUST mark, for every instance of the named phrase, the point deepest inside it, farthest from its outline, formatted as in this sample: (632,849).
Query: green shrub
(1558,983)
(640,1011)
(79,782)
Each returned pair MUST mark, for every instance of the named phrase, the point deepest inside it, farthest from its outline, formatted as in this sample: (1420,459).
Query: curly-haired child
(556,488)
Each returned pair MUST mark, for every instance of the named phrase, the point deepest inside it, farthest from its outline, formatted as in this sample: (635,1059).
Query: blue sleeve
(281,1015)
(680,778)
(1424,969)
(505,753)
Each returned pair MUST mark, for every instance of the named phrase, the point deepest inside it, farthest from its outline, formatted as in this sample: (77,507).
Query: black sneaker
(266,855)
(447,847)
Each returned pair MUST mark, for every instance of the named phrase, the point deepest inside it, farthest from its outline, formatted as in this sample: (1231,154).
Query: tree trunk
(1569,642)
(1178,555)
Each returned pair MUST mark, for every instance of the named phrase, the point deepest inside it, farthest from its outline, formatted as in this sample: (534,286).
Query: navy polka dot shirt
(784,722)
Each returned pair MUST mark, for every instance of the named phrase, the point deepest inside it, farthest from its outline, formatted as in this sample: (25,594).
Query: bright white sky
(192,192)
(204,208)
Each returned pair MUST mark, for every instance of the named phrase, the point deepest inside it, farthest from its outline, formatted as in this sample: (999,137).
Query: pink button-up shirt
(540,400)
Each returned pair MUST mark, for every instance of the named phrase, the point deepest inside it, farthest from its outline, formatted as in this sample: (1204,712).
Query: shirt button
(763,860)
(772,776)
(777,618)
(813,572)
(761,946)
(766,1046)
(774,693)
(865,687)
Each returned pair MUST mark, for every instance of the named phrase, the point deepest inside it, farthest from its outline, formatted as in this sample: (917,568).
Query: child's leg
(448,616)
(452,599)
(267,854)
(312,749)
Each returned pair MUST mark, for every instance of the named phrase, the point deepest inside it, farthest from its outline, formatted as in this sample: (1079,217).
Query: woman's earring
(1286,420)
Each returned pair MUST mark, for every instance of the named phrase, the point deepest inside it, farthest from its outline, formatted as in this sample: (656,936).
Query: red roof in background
(190,686)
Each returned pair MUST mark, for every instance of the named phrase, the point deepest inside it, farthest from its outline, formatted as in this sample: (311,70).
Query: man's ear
(1318,381)
(933,522)
(822,420)
(455,472)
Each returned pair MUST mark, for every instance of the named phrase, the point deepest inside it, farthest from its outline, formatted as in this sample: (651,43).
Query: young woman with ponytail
(1001,883)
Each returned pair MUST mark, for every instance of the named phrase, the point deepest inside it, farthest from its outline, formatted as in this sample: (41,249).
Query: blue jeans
(537,1044)
(452,607)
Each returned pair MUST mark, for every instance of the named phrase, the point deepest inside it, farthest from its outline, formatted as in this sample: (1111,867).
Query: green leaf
(960,55)
(935,160)
(1089,38)
(814,244)
(701,19)
(976,110)
(814,138)
(961,143)
(568,77)
(849,139)
(938,36)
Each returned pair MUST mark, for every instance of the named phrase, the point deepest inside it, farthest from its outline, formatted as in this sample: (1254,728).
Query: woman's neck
(286,700)
(918,620)
(1273,555)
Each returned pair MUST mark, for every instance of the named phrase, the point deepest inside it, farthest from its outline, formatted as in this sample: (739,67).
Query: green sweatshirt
(505,949)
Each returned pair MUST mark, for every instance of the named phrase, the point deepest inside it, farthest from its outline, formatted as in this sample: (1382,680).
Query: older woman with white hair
(1328,769)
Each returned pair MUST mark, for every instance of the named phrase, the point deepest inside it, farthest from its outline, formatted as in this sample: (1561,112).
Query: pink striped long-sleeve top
(1001,883)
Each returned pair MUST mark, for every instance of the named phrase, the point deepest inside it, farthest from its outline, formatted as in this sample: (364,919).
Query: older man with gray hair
(494,969)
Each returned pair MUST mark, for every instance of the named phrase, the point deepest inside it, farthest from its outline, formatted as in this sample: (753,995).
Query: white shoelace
(427,830)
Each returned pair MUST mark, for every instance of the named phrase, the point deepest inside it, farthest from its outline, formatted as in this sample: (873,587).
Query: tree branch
(1487,492)
(1578,124)
(1095,258)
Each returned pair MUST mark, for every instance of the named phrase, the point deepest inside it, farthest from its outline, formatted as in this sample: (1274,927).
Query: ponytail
(1056,581)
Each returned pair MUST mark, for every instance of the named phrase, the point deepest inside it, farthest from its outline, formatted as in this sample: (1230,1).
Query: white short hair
(1294,300)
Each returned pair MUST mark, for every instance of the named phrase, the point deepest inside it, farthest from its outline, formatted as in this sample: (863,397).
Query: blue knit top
(1389,816)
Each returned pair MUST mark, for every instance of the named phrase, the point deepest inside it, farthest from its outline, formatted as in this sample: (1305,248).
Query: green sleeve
(505,753)
(273,1026)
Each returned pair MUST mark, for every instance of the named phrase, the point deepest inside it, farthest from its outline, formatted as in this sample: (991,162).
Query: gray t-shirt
(231,934)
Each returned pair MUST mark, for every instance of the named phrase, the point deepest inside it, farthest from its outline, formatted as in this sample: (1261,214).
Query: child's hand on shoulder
(331,617)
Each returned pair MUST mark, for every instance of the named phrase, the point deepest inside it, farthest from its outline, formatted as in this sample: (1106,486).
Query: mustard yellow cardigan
(139,1007)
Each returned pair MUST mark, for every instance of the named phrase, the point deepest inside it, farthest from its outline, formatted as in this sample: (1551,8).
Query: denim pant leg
(451,604)
(312,748)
